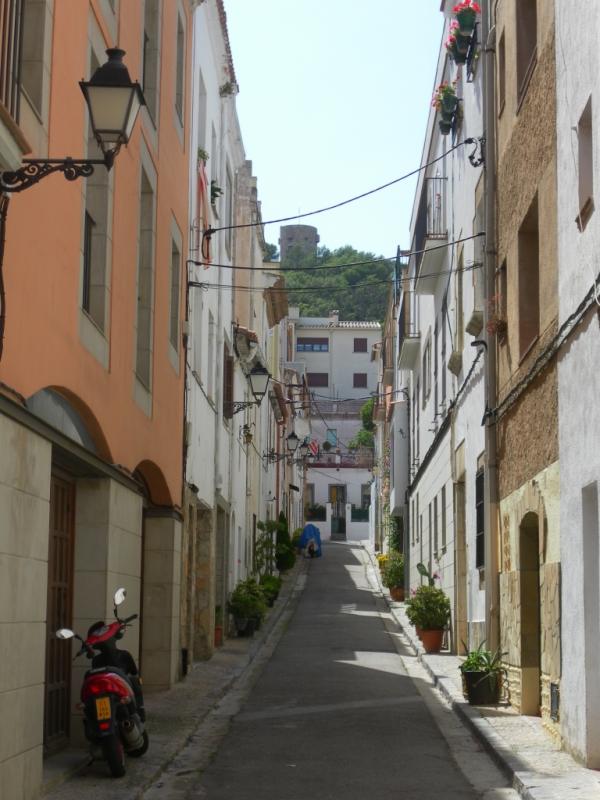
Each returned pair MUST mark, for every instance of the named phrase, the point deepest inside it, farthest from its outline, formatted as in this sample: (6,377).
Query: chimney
(334,317)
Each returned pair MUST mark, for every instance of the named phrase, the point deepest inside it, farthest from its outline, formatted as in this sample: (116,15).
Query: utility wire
(322,287)
(404,254)
(209,231)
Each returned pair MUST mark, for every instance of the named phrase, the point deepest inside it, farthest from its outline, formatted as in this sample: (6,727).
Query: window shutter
(227,383)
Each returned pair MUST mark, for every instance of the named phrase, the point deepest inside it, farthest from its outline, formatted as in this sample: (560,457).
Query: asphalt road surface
(334,714)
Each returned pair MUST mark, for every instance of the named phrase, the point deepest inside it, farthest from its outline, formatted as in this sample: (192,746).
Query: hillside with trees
(356,304)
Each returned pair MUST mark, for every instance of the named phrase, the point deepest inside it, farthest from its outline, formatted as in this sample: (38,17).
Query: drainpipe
(491,482)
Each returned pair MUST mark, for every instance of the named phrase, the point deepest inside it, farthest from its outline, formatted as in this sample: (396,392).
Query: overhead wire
(210,230)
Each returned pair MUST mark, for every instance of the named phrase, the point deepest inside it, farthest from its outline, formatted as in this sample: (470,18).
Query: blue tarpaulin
(311,532)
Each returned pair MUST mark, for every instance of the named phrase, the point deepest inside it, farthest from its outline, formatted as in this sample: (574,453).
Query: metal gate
(60,614)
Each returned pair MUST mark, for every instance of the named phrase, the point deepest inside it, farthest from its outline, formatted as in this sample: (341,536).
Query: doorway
(337,498)
(529,565)
(57,699)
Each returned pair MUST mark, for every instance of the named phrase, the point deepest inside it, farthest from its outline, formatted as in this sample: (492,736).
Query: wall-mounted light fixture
(259,383)
(113,101)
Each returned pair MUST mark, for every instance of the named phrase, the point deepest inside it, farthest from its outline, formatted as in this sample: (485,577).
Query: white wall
(578,65)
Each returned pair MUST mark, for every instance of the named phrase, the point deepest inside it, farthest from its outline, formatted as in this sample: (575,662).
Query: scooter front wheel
(113,752)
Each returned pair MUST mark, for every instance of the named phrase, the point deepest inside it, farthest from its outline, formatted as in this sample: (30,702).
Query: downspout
(491,474)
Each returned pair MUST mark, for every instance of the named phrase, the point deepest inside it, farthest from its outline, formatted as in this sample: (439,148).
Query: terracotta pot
(397,593)
(481,689)
(218,635)
(432,640)
(418,631)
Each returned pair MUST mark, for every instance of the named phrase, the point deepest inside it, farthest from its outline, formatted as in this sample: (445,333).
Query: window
(310,494)
(331,436)
(359,380)
(586,166)
(435,367)
(360,345)
(198,318)
(413,522)
(228,210)
(417,407)
(179,69)
(443,525)
(435,526)
(430,532)
(502,288)
(227,382)
(317,378)
(501,74)
(34,72)
(145,283)
(460,320)
(312,344)
(479,519)
(150,57)
(529,279)
(210,365)
(175,284)
(526,43)
(95,278)
(426,371)
(88,229)
(365,495)
(444,324)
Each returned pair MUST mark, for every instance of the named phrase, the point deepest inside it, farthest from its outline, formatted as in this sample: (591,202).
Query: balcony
(431,234)
(353,459)
(409,336)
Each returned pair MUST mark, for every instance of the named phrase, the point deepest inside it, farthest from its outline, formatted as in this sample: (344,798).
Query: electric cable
(210,230)
(405,254)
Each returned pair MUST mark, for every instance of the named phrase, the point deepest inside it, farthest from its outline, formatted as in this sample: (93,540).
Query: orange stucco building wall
(43,347)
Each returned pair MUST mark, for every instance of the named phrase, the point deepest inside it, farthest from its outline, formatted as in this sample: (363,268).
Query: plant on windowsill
(496,321)
(215,192)
(465,14)
(482,673)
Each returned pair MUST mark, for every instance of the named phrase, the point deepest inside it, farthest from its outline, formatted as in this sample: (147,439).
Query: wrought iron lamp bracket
(34,169)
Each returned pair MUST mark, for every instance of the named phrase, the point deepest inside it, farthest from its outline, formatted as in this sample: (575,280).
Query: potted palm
(393,576)
(482,672)
(429,610)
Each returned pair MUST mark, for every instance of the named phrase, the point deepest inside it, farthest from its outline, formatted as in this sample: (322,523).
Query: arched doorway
(529,568)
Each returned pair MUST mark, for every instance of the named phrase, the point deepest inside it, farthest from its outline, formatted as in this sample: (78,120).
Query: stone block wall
(25,461)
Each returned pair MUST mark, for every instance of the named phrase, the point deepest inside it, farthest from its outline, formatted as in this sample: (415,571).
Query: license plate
(103,708)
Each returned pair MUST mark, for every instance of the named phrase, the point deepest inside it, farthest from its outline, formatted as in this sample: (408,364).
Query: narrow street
(334,713)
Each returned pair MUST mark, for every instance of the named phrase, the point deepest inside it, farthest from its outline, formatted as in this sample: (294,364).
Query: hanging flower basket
(445,101)
(458,56)
(444,126)
(466,16)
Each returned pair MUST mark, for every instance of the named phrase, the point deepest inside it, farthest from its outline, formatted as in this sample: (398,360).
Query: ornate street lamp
(258,378)
(113,101)
(291,442)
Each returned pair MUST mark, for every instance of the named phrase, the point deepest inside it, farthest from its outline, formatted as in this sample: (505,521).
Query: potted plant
(429,609)
(445,100)
(496,321)
(215,192)
(382,559)
(393,576)
(270,585)
(465,14)
(456,47)
(481,676)
(247,605)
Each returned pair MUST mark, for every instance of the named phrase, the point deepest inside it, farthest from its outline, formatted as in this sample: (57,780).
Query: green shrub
(428,608)
(393,571)
(247,600)
(270,585)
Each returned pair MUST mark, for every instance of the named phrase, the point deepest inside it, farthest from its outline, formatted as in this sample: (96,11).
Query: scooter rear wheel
(113,752)
(141,750)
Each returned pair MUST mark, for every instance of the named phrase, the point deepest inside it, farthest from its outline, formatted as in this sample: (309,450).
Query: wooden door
(59,614)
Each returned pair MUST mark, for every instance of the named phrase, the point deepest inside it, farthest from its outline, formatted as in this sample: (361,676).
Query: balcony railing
(359,460)
(430,232)
(408,332)
(11,35)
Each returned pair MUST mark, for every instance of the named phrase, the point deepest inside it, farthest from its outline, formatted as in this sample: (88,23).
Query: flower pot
(218,635)
(432,640)
(445,127)
(462,44)
(466,22)
(397,593)
(418,631)
(244,626)
(482,688)
(458,56)
(449,104)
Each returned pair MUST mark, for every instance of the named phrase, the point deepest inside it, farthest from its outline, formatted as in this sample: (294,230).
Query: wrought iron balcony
(430,235)
(409,336)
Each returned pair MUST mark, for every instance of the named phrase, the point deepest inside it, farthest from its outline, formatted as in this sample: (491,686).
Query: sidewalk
(172,716)
(522,748)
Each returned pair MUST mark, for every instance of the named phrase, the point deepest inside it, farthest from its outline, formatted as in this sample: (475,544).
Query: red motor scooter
(111,695)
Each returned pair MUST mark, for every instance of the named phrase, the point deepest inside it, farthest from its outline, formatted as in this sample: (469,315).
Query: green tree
(271,253)
(366,414)
(338,293)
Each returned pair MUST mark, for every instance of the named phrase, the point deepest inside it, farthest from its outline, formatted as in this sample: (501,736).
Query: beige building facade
(523,314)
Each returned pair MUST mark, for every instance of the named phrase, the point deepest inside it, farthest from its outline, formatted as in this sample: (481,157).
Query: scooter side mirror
(120,596)
(65,633)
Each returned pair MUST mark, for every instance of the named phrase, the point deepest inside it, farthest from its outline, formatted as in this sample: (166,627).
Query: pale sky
(334,97)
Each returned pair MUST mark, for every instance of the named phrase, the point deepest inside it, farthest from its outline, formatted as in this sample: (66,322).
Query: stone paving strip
(522,748)
(174,717)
